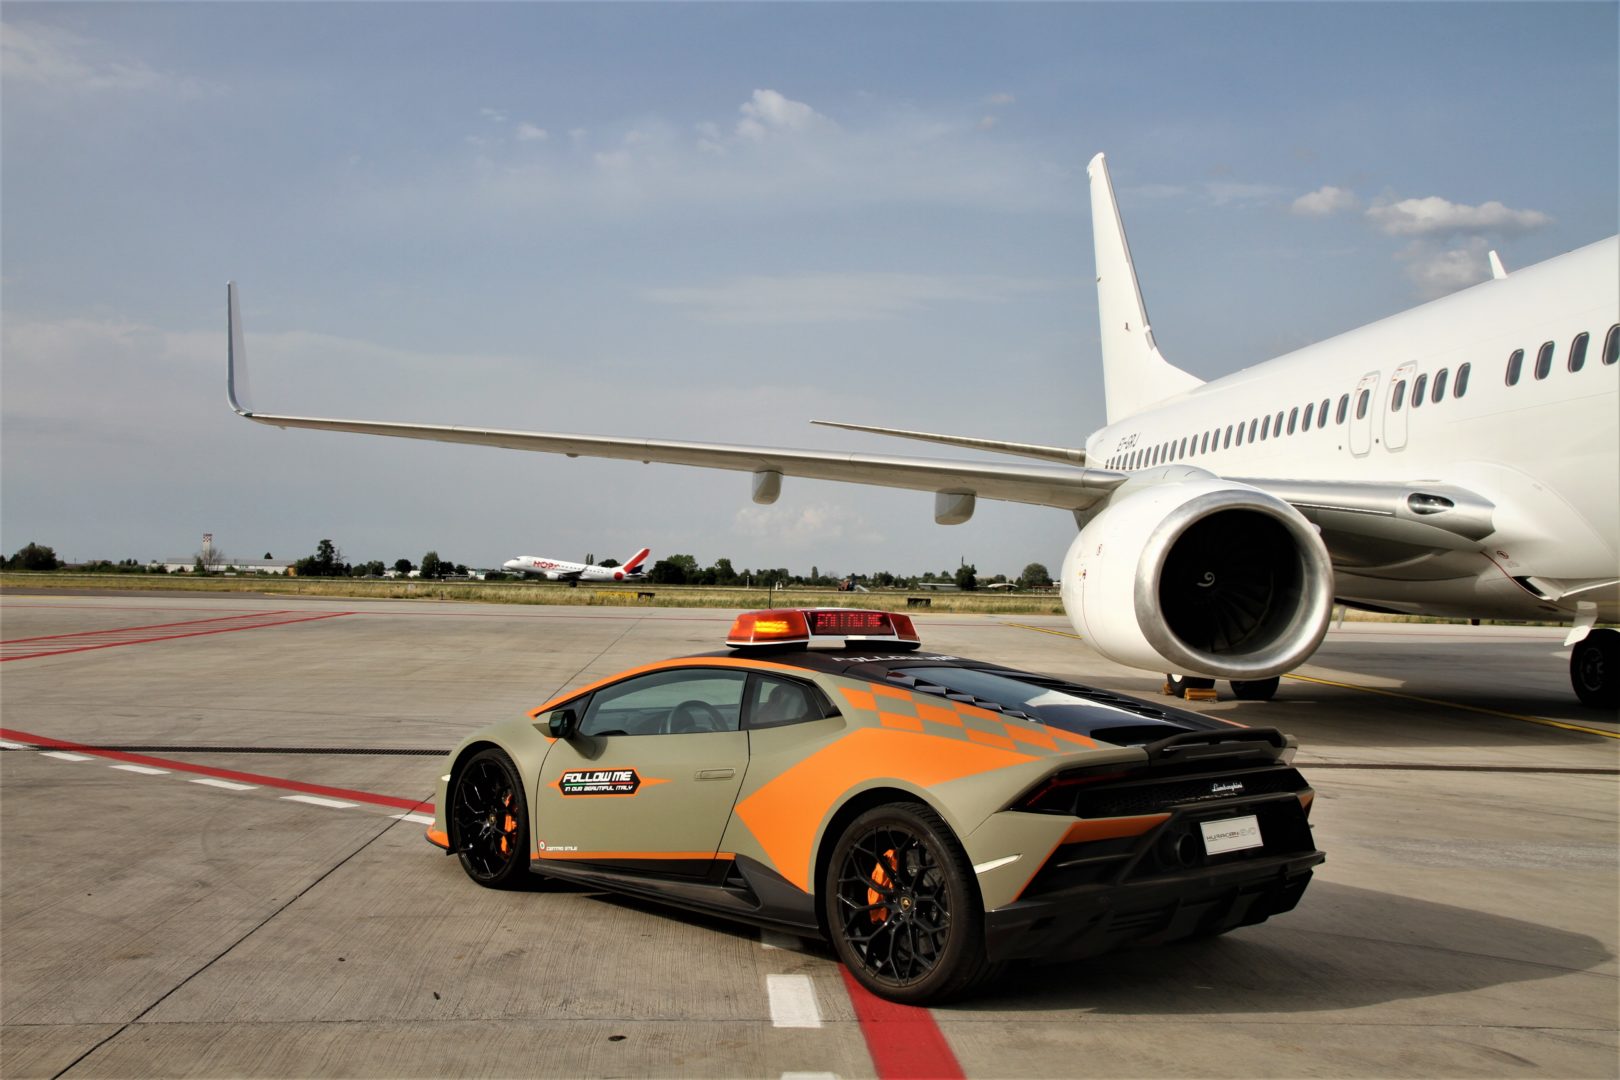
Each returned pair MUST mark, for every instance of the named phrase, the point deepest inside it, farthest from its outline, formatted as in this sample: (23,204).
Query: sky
(711,222)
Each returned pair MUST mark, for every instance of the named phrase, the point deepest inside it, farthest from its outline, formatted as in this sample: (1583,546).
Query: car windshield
(1047,703)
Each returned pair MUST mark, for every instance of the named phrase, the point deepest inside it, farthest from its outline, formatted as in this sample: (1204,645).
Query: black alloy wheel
(489,827)
(903,909)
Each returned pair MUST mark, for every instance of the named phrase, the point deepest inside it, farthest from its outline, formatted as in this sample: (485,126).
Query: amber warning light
(796,627)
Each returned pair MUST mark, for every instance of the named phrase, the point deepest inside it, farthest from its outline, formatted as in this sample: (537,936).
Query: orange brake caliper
(882,880)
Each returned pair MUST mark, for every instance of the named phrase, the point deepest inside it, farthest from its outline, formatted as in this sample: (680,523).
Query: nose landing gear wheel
(902,908)
(1255,689)
(1594,669)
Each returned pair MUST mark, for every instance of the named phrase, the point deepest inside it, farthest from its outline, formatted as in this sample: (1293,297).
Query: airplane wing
(1069,455)
(955,483)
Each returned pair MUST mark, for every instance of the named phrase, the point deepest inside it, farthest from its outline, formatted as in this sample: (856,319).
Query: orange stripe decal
(861,699)
(1072,737)
(891,691)
(1033,736)
(938,715)
(999,741)
(785,813)
(904,723)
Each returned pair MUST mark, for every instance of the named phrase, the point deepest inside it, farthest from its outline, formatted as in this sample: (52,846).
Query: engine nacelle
(1187,573)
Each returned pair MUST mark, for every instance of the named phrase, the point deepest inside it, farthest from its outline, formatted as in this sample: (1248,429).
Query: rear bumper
(1091,919)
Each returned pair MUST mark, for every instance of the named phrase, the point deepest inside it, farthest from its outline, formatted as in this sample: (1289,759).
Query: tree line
(328,561)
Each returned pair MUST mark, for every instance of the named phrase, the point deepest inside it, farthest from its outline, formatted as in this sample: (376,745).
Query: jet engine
(1185,572)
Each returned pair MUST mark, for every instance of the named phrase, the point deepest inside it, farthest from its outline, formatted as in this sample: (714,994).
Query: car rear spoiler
(1200,745)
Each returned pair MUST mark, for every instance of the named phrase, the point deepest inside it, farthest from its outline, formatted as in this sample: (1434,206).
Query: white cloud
(824,298)
(527,132)
(1324,202)
(494,116)
(51,57)
(801,527)
(1438,269)
(1000,99)
(768,112)
(1434,216)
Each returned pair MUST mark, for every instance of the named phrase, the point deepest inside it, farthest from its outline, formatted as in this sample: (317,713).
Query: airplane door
(1395,409)
(1362,407)
(649,780)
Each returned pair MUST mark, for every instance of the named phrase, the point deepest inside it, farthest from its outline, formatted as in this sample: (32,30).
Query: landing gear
(1594,669)
(1256,689)
(1178,685)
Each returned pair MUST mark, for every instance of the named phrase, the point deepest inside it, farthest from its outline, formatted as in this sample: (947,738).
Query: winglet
(1498,271)
(1135,375)
(235,354)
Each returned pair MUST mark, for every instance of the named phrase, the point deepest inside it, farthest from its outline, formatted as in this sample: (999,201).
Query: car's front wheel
(902,908)
(489,821)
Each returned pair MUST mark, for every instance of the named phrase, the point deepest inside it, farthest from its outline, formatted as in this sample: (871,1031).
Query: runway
(212,864)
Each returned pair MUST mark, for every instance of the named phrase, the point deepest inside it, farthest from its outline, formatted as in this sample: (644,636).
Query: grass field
(508,592)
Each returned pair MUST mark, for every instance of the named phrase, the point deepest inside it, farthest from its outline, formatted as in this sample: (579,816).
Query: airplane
(1459,459)
(573,572)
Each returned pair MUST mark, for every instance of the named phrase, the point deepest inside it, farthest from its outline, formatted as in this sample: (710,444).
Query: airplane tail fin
(636,560)
(1135,374)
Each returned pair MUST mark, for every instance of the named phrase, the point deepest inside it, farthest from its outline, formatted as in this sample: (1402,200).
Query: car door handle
(716,774)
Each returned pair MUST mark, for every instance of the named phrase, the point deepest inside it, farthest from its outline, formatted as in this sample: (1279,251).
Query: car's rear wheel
(903,910)
(489,821)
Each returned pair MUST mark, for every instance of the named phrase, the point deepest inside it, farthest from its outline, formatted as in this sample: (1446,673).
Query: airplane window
(1461,388)
(1397,396)
(1239,440)
(1277,427)
(1253,426)
(1515,365)
(1344,405)
(1321,414)
(1611,345)
(1183,451)
(1265,429)
(1439,385)
(1419,388)
(1361,404)
(1577,351)
(1293,418)
(1205,448)
(1544,360)
(1309,409)
(1227,444)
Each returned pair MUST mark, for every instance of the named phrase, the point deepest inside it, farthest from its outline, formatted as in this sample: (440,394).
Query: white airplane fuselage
(563,570)
(1544,451)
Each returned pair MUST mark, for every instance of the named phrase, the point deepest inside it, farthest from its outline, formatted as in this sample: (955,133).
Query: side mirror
(562,724)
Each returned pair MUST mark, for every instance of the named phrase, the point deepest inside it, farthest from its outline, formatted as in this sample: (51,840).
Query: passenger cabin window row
(1574,360)
(1432,389)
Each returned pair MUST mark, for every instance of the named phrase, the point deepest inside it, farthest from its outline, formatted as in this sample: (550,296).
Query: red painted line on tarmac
(903,1040)
(219,774)
(153,626)
(160,637)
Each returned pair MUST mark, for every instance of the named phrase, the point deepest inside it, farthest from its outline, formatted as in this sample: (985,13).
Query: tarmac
(212,864)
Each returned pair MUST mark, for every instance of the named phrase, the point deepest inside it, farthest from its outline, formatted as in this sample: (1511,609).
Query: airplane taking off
(1460,459)
(573,572)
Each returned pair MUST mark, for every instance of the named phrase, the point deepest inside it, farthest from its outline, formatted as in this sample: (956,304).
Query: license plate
(1231,834)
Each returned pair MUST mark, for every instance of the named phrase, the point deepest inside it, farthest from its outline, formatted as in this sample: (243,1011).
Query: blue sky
(711,222)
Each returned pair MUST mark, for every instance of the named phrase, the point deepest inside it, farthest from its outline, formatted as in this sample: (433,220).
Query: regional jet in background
(1459,459)
(573,572)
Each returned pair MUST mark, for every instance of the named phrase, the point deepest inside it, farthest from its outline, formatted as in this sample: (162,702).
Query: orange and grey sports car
(930,815)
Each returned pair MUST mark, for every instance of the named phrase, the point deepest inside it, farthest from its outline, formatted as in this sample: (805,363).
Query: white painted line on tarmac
(144,770)
(793,1001)
(772,939)
(65,756)
(316,800)
(420,819)
(228,785)
(809,1076)
(9,745)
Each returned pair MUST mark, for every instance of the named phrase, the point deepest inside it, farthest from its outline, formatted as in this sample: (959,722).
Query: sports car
(932,816)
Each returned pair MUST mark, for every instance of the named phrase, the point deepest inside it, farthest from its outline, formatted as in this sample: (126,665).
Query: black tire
(1255,689)
(1594,669)
(903,907)
(488,819)
(1180,684)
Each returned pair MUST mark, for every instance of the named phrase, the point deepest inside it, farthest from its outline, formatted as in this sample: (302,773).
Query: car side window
(685,701)
(774,702)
